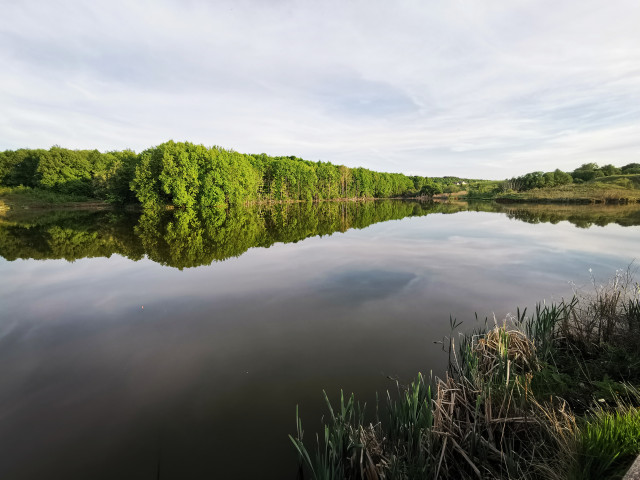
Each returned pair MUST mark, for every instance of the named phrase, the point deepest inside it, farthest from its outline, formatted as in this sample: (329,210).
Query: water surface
(132,344)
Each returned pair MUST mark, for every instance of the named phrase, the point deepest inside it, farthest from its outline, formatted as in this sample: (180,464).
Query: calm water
(179,344)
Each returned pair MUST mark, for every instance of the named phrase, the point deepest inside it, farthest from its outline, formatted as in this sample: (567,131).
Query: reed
(510,404)
(337,455)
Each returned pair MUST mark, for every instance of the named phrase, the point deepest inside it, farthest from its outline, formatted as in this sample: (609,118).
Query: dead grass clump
(505,347)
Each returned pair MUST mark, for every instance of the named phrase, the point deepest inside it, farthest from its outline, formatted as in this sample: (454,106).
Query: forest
(186,175)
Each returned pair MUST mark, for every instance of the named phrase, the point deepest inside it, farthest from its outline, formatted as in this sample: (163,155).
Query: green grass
(625,181)
(607,443)
(342,441)
(614,189)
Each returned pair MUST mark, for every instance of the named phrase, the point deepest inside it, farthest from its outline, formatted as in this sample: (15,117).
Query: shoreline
(25,203)
(14,203)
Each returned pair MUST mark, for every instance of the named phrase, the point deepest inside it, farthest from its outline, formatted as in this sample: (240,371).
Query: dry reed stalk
(504,343)
(372,462)
(479,407)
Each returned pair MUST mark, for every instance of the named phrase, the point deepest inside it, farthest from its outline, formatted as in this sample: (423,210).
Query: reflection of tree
(189,238)
(584,216)
(71,236)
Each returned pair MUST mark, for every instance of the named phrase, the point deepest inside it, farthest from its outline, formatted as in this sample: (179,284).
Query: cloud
(432,88)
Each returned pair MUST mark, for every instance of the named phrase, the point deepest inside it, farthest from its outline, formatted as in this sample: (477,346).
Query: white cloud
(488,89)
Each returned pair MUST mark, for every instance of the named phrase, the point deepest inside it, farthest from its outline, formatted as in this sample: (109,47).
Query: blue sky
(472,88)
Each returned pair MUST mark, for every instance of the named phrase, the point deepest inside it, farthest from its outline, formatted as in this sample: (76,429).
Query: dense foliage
(86,173)
(186,175)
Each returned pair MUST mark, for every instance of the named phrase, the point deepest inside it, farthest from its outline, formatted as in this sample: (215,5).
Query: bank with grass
(186,175)
(612,189)
(21,198)
(596,192)
(550,394)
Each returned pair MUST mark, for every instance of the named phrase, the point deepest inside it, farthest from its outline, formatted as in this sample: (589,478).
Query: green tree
(609,170)
(562,178)
(631,168)
(66,171)
(586,172)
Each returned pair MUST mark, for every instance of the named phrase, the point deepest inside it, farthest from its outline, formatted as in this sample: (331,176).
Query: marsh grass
(607,443)
(549,395)
(341,453)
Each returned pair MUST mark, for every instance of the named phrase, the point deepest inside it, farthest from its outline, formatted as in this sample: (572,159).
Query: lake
(178,345)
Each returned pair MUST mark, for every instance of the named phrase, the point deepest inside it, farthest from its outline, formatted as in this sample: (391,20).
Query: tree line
(584,173)
(186,175)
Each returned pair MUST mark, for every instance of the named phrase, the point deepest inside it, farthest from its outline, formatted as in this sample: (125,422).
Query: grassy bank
(548,395)
(597,192)
(16,198)
(615,189)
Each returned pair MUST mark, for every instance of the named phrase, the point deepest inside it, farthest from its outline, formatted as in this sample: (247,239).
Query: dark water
(203,381)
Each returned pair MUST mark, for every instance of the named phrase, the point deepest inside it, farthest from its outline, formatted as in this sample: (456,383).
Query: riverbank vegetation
(20,197)
(553,394)
(186,175)
(588,183)
(607,192)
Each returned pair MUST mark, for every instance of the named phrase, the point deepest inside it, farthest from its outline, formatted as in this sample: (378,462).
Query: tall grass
(409,430)
(607,443)
(506,406)
(340,454)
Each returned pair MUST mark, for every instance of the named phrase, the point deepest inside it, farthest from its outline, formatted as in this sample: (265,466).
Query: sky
(472,88)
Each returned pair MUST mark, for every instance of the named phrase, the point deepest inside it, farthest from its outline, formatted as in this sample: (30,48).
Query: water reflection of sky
(221,354)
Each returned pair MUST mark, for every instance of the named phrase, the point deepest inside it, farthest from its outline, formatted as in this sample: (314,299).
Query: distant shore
(617,189)
(15,199)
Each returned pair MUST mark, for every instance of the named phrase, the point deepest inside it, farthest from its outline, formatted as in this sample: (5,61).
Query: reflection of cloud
(359,286)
